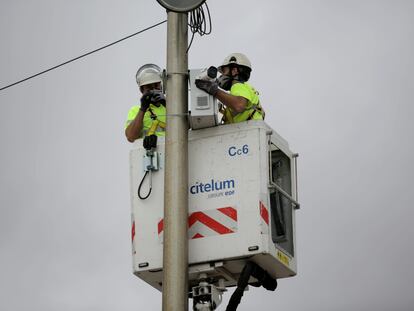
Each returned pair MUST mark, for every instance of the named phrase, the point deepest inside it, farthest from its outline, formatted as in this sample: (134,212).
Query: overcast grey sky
(336,80)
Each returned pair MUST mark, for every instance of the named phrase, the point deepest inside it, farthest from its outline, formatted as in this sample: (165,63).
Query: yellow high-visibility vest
(154,120)
(253,109)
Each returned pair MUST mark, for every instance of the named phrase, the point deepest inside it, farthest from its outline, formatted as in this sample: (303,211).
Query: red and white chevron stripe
(133,237)
(264,218)
(208,223)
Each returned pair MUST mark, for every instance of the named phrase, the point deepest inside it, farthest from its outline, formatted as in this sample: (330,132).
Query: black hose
(140,185)
(263,278)
(241,285)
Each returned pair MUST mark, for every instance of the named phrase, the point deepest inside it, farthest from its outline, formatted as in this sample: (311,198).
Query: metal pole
(175,282)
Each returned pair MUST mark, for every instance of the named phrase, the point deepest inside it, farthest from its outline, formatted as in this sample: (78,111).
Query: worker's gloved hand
(158,97)
(150,142)
(211,87)
(146,100)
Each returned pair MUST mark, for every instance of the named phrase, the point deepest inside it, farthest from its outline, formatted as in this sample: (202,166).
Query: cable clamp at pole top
(174,115)
(177,73)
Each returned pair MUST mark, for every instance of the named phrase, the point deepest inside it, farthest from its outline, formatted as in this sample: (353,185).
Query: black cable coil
(199,22)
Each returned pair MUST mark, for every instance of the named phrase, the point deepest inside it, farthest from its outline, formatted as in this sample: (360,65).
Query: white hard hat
(237,59)
(148,78)
(147,74)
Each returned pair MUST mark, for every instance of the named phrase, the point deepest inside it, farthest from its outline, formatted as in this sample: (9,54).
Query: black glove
(211,87)
(146,100)
(158,97)
(150,142)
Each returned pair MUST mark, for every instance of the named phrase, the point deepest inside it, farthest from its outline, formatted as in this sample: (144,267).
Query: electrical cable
(263,279)
(83,55)
(198,22)
(140,185)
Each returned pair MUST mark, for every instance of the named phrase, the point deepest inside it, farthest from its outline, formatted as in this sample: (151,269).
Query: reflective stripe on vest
(253,109)
(156,126)
(248,114)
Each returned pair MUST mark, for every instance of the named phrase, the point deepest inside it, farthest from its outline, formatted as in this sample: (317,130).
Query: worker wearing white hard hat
(149,117)
(241,100)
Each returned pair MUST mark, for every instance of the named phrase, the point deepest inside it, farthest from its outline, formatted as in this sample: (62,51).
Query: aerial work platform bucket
(242,195)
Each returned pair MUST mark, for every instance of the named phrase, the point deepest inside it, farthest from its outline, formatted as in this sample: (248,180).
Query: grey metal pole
(175,282)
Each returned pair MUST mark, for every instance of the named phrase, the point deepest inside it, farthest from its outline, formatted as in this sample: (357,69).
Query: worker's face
(227,71)
(150,87)
(226,80)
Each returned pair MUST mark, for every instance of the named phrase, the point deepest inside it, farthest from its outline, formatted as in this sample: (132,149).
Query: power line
(81,56)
